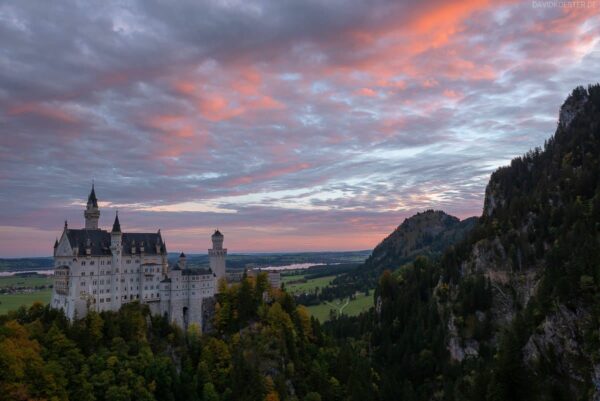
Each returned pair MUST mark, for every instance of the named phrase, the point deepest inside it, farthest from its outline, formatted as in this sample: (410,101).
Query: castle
(98,270)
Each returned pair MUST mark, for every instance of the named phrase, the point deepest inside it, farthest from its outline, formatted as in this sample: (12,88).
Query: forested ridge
(510,312)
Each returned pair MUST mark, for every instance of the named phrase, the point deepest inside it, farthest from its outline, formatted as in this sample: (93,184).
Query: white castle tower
(116,250)
(92,212)
(217,255)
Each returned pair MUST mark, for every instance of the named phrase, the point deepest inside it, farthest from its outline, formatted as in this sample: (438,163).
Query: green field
(292,277)
(352,308)
(24,281)
(13,301)
(308,286)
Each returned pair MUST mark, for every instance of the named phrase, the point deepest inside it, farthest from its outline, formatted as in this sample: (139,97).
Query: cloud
(292,126)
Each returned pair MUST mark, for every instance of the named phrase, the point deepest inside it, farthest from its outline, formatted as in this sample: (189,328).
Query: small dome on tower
(217,233)
(182,255)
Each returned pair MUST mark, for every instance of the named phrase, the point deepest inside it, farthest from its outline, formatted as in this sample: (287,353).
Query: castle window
(83,263)
(83,273)
(94,291)
(128,261)
(92,263)
(91,273)
(61,280)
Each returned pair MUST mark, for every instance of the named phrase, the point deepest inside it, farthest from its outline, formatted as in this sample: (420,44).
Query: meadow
(347,307)
(10,302)
(299,283)
(29,282)
(13,301)
(308,286)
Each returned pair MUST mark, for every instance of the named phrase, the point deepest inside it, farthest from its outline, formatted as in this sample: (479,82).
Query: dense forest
(263,347)
(511,311)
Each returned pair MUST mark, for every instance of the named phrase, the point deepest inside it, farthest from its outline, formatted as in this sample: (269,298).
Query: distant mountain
(427,234)
(20,264)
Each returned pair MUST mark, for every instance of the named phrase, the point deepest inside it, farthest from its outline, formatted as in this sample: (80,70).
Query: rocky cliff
(536,245)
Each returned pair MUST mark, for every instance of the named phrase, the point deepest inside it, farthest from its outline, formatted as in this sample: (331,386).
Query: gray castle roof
(191,271)
(196,271)
(99,242)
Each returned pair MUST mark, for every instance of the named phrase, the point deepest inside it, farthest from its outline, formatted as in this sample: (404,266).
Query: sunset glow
(302,126)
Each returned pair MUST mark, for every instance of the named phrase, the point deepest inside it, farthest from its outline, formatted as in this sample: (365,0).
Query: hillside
(536,245)
(512,312)
(426,234)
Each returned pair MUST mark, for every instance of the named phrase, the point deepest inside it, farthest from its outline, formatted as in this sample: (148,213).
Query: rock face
(572,107)
(528,207)
(560,335)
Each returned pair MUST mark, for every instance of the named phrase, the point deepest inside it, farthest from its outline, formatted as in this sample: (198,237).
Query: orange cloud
(43,110)
(366,92)
(267,175)
(178,135)
(184,87)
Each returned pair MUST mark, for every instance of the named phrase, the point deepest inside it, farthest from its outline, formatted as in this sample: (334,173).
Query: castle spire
(116,225)
(92,198)
(92,213)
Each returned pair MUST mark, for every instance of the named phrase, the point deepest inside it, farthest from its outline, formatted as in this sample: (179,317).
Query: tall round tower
(217,255)
(92,212)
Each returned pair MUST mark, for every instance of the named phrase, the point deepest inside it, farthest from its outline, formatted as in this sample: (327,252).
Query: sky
(289,125)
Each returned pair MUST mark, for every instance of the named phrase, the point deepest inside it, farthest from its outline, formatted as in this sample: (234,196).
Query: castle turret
(92,212)
(182,260)
(116,248)
(217,255)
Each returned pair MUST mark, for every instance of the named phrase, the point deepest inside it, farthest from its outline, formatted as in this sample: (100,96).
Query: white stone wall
(105,282)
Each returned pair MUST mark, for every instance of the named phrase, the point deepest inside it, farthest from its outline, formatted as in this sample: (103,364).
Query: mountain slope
(537,244)
(426,234)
